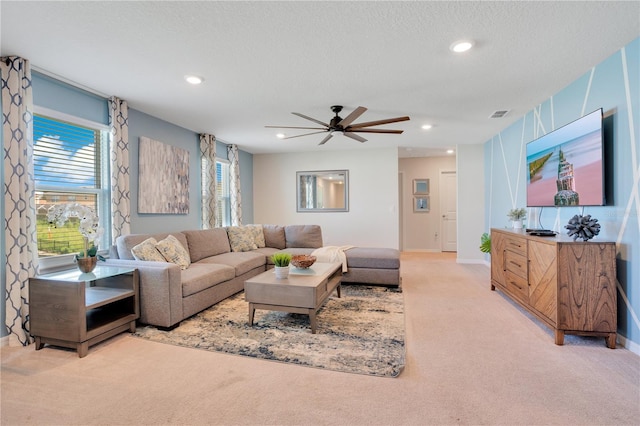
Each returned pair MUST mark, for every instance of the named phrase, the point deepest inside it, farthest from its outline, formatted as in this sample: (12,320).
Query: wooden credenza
(569,285)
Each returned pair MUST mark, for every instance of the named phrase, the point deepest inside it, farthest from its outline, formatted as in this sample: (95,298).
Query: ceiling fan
(339,124)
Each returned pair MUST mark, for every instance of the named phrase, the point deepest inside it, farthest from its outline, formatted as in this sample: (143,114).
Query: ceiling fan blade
(378,122)
(354,136)
(329,136)
(306,134)
(352,117)
(397,132)
(294,127)
(311,119)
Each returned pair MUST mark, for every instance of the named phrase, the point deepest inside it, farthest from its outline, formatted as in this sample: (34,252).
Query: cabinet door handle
(515,263)
(504,260)
(514,283)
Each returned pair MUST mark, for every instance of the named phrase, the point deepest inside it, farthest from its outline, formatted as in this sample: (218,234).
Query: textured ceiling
(263,60)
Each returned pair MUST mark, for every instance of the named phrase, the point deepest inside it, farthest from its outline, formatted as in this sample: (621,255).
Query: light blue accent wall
(61,97)
(614,86)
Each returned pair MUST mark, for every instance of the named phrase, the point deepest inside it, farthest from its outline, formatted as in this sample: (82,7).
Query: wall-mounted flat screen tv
(565,167)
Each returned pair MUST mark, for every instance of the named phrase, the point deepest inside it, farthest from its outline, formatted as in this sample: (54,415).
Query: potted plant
(91,232)
(281,262)
(516,216)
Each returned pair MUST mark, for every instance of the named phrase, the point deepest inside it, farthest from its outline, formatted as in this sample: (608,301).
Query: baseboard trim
(629,345)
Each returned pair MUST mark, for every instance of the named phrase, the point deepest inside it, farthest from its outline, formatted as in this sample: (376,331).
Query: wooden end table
(303,292)
(77,310)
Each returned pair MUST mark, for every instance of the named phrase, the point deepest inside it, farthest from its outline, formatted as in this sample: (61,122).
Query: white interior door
(448,211)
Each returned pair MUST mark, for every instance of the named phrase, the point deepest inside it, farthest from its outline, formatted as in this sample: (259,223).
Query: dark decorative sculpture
(584,227)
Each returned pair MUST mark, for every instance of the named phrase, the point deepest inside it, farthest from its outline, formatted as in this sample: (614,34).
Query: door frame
(441,172)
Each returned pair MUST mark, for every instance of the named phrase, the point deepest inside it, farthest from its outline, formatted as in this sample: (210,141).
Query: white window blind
(70,166)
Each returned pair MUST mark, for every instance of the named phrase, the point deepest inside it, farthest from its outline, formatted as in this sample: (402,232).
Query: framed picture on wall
(163,178)
(420,204)
(421,187)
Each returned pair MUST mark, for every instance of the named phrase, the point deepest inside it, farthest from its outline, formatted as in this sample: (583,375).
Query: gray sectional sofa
(220,260)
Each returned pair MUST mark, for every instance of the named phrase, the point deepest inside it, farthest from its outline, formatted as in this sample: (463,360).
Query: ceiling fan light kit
(344,125)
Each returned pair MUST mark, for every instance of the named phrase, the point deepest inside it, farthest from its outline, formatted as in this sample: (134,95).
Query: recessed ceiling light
(426,126)
(280,135)
(450,151)
(461,46)
(193,79)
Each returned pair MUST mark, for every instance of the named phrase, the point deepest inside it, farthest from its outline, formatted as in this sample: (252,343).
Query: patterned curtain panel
(120,176)
(209,180)
(234,185)
(19,195)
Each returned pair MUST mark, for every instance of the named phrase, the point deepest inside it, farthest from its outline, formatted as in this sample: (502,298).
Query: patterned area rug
(362,332)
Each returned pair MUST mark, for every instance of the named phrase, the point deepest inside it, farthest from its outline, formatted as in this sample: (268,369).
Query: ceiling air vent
(499,114)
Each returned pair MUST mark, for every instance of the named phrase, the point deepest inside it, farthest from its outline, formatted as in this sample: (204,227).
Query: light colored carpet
(472,358)
(361,332)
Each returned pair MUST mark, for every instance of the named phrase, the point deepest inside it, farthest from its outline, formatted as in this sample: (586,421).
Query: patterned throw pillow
(241,238)
(258,235)
(147,250)
(174,252)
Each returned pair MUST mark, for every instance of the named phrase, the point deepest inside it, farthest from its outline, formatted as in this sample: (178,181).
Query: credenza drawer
(517,286)
(516,245)
(515,263)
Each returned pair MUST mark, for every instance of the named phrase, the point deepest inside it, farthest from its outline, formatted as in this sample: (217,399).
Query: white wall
(470,159)
(372,219)
(421,231)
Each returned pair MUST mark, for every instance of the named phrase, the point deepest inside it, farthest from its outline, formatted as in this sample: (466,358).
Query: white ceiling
(263,60)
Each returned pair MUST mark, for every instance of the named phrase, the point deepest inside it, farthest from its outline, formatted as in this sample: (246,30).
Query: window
(223,203)
(70,166)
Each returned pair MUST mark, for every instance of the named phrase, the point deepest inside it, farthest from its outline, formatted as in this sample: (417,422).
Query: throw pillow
(147,250)
(241,238)
(258,235)
(174,252)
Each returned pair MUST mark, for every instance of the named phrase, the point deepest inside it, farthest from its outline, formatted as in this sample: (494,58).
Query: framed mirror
(322,191)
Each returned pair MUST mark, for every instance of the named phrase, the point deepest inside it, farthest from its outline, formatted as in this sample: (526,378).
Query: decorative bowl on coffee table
(303,261)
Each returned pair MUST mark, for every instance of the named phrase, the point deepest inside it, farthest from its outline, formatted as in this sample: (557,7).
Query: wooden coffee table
(303,292)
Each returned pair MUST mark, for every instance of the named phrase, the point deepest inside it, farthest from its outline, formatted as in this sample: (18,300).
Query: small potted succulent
(281,262)
(516,216)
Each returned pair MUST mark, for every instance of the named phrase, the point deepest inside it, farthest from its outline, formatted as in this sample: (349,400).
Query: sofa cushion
(207,242)
(125,243)
(258,235)
(173,251)
(303,236)
(243,262)
(374,258)
(200,276)
(147,251)
(274,236)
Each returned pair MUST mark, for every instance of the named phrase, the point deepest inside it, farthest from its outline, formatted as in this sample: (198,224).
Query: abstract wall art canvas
(163,183)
